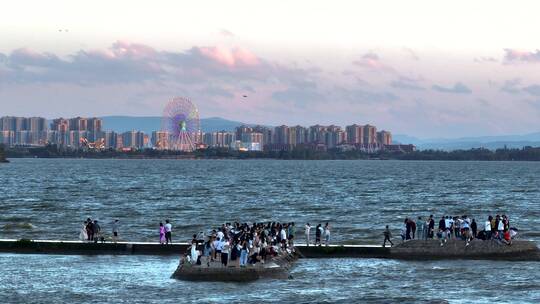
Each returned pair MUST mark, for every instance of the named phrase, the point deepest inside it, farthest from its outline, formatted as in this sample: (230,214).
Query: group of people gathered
(165,232)
(241,244)
(320,233)
(458,227)
(91,231)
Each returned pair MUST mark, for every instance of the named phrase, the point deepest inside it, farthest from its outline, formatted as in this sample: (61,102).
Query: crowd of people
(244,244)
(458,227)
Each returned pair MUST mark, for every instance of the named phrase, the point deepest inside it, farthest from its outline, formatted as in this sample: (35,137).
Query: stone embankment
(275,268)
(457,249)
(410,250)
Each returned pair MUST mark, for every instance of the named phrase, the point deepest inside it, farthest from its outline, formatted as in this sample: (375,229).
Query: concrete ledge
(411,250)
(84,248)
(146,248)
(520,250)
(344,251)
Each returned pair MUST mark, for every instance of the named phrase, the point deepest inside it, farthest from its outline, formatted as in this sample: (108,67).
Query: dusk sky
(422,68)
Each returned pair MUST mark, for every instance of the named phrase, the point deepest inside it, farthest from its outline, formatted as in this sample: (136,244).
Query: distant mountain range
(465,143)
(148,124)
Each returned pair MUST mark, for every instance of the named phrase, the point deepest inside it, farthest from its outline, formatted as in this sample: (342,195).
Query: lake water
(49,199)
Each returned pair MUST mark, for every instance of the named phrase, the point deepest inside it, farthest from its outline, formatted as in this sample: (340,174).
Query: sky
(421,68)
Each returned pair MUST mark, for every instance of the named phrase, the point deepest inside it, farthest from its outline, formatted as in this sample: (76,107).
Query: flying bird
(244,96)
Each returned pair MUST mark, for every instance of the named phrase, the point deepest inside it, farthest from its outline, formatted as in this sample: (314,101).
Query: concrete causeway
(410,250)
(150,248)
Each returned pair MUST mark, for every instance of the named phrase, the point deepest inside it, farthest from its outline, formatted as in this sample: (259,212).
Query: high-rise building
(7,138)
(317,134)
(370,134)
(298,135)
(5,124)
(36,124)
(219,139)
(266,132)
(111,139)
(241,130)
(94,124)
(26,130)
(20,124)
(60,125)
(281,135)
(384,138)
(334,136)
(78,124)
(355,134)
(253,137)
(133,139)
(160,140)
(252,141)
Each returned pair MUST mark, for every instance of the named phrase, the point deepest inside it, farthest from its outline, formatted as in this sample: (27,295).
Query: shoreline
(194,158)
(524,154)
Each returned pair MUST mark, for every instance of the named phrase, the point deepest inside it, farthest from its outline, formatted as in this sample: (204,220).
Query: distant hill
(465,143)
(148,124)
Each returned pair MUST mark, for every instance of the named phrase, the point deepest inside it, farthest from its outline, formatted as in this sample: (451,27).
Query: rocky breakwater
(519,250)
(275,268)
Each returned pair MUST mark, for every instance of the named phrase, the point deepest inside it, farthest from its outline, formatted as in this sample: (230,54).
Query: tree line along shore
(480,154)
(3,155)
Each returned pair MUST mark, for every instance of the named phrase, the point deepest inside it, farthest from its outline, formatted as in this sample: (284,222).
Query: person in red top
(507,237)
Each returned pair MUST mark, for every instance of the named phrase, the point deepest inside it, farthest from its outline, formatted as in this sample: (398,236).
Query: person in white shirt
(283,235)
(487,228)
(168,232)
(225,251)
(220,235)
(326,234)
(218,245)
(500,228)
(308,229)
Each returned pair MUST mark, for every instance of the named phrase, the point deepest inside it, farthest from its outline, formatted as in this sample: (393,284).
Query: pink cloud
(513,55)
(372,61)
(230,57)
(123,49)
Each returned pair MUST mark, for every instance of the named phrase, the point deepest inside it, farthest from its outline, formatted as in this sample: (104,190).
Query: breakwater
(146,248)
(412,250)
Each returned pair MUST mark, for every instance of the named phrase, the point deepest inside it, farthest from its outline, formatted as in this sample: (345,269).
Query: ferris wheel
(181,121)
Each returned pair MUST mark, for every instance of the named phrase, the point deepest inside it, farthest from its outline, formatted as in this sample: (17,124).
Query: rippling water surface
(48,199)
(143,279)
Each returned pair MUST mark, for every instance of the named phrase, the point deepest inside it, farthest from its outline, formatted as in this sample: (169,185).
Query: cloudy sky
(422,68)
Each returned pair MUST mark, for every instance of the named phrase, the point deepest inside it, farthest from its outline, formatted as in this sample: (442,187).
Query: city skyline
(90,133)
(419,72)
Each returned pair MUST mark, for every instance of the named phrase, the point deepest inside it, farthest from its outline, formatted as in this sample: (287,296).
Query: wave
(13,226)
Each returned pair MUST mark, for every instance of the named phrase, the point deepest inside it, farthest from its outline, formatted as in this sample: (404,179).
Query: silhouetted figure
(387,236)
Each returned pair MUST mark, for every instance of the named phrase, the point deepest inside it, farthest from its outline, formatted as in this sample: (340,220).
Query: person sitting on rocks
(507,238)
(441,237)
